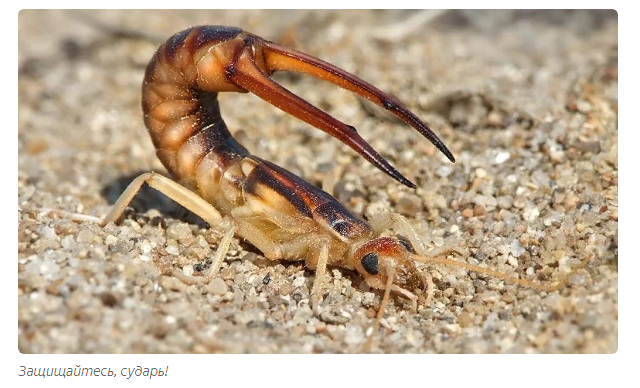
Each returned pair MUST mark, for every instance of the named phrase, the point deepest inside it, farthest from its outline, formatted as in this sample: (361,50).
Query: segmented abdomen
(181,111)
(182,114)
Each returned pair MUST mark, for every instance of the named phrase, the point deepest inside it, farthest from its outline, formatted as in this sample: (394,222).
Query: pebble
(502,157)
(354,335)
(540,179)
(505,202)
(179,231)
(444,171)
(298,282)
(217,287)
(517,249)
(173,250)
(368,299)
(530,212)
(409,204)
(85,236)
(47,232)
(171,283)
(464,319)
(145,247)
(187,270)
(453,328)
(479,211)
(335,315)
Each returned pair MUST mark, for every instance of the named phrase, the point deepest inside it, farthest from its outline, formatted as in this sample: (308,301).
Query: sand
(526,101)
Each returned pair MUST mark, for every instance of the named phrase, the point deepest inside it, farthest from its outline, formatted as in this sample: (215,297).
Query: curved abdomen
(182,114)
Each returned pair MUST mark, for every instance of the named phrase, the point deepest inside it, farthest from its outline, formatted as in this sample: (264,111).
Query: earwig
(282,215)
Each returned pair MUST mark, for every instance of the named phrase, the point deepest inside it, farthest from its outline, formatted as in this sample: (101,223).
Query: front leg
(317,259)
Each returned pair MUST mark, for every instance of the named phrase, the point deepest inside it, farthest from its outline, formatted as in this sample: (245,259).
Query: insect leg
(387,292)
(183,196)
(216,263)
(321,253)
(250,232)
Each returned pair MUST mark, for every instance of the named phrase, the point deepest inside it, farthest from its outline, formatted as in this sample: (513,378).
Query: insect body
(276,211)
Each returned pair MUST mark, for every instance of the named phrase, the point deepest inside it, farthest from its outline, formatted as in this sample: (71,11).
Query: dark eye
(370,263)
(405,242)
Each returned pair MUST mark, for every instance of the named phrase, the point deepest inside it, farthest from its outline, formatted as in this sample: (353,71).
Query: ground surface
(526,101)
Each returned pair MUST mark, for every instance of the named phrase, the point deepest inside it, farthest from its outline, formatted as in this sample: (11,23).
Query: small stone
(530,212)
(68,242)
(48,232)
(583,106)
(238,297)
(85,236)
(171,283)
(505,202)
(187,270)
(298,282)
(110,240)
(453,328)
(540,179)
(109,299)
(45,267)
(368,299)
(179,231)
(571,201)
(479,210)
(335,315)
(519,202)
(173,250)
(495,119)
(467,213)
(409,204)
(553,219)
(502,157)
(354,335)
(464,319)
(444,171)
(310,328)
(490,322)
(145,247)
(517,249)
(217,287)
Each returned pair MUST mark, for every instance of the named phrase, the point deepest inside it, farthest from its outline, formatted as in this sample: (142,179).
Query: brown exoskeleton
(279,213)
